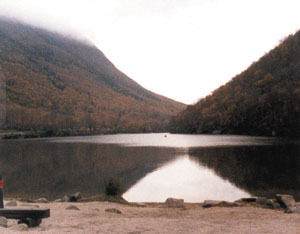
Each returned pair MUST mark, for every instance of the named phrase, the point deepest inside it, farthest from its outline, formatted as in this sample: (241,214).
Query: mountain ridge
(262,100)
(57,83)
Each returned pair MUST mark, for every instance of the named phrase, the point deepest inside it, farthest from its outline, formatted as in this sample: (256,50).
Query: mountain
(262,100)
(57,84)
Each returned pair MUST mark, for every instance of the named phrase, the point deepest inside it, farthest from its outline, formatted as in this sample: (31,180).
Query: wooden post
(1,192)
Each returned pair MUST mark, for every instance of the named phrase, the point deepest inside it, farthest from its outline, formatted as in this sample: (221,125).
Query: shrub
(113,187)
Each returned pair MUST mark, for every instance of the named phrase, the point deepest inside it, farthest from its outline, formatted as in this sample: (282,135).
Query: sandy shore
(92,218)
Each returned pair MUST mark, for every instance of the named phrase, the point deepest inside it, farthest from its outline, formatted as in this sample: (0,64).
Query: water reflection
(260,170)
(152,167)
(37,168)
(183,178)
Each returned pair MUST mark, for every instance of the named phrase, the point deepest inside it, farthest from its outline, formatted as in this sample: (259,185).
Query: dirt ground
(92,218)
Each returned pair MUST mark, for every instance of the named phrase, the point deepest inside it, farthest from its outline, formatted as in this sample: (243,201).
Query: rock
(113,210)
(247,199)
(20,227)
(12,203)
(216,132)
(78,196)
(65,199)
(261,200)
(228,204)
(72,198)
(292,210)
(72,208)
(211,203)
(58,200)
(174,203)
(268,203)
(3,222)
(42,200)
(286,201)
(140,204)
(274,204)
(75,197)
(95,209)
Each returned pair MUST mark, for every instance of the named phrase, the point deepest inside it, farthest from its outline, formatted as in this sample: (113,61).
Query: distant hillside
(55,83)
(263,100)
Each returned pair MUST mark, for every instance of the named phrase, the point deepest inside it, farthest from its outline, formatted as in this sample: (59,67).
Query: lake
(152,167)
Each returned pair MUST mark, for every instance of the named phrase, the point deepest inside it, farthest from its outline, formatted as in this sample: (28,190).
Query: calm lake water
(152,167)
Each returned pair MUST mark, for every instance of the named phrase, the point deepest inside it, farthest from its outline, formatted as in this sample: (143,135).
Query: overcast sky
(182,49)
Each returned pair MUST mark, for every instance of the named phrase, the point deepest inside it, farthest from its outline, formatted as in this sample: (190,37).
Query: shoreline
(107,217)
(13,134)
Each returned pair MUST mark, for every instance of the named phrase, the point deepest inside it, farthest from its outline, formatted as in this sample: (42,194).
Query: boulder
(75,197)
(268,203)
(292,210)
(211,203)
(216,132)
(12,203)
(65,199)
(20,227)
(78,196)
(71,198)
(72,208)
(58,200)
(3,222)
(113,210)
(262,201)
(229,204)
(42,200)
(286,201)
(141,204)
(174,203)
(274,204)
(247,199)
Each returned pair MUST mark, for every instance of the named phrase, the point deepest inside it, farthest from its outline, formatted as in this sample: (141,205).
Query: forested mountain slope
(62,84)
(262,100)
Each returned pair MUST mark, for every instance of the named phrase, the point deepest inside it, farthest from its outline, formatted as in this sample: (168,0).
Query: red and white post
(1,192)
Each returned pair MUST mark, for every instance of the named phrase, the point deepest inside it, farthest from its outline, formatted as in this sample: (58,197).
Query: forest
(263,100)
(58,86)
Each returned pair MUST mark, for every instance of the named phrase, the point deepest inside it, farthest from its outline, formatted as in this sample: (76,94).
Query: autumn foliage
(58,84)
(262,100)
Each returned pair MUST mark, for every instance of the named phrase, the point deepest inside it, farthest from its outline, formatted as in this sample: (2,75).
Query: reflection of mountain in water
(260,170)
(38,168)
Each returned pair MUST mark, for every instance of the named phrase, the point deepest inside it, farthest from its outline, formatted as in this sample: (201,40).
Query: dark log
(25,213)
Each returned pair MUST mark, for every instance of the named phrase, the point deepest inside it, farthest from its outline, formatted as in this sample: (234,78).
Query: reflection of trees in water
(37,168)
(260,170)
